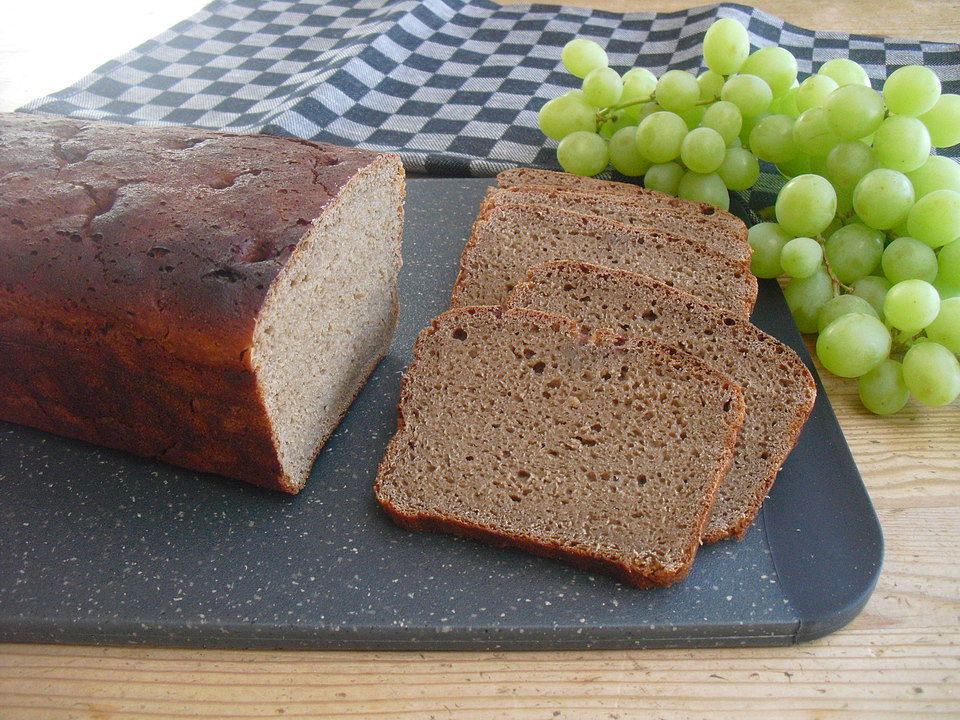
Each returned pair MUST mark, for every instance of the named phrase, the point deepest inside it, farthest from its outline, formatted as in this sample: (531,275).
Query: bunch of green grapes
(868,230)
(686,135)
(868,223)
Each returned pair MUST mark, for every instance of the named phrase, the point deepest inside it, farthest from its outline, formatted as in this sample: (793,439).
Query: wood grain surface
(899,659)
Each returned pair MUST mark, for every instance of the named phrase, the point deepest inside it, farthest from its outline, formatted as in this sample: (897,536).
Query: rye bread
(719,229)
(778,389)
(507,240)
(516,430)
(208,299)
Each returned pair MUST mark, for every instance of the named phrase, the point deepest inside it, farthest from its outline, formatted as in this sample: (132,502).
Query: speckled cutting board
(103,547)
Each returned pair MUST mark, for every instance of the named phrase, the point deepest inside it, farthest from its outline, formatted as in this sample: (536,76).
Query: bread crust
(133,265)
(646,576)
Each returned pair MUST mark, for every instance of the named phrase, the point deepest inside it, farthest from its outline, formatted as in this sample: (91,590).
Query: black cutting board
(104,547)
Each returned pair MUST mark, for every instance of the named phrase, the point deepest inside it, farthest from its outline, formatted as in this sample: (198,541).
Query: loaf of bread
(720,230)
(778,389)
(509,239)
(516,430)
(211,300)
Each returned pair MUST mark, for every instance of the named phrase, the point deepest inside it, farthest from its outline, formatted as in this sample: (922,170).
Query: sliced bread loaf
(778,389)
(720,230)
(516,430)
(509,239)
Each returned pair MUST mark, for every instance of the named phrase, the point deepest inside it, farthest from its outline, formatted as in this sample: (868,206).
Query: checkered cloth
(453,86)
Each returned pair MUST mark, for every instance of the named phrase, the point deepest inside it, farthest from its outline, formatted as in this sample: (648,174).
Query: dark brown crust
(531,178)
(806,394)
(640,577)
(752,287)
(133,265)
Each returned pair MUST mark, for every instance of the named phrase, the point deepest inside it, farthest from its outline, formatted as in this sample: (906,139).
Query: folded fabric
(453,87)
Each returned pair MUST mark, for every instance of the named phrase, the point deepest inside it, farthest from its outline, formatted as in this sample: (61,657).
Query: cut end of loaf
(330,316)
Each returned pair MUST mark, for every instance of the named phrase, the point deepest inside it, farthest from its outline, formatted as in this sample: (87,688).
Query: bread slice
(517,431)
(719,229)
(778,389)
(509,239)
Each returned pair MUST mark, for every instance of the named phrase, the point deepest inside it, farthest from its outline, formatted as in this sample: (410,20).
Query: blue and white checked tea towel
(454,87)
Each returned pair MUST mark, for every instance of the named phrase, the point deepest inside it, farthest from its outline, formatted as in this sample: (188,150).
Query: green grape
(882,389)
(710,84)
(948,261)
(873,289)
(703,150)
(677,91)
(818,165)
(854,251)
(945,329)
(843,305)
(882,198)
(853,344)
(937,173)
(907,259)
(844,72)
(931,373)
(583,153)
(749,93)
(767,240)
(847,162)
(901,143)
(805,297)
(704,187)
(660,135)
(616,121)
(638,83)
(935,218)
(774,65)
(602,87)
(624,156)
(664,177)
(946,290)
(845,205)
(725,46)
(943,121)
(747,127)
(834,225)
(646,110)
(800,165)
(739,169)
(911,305)
(567,114)
(812,134)
(725,118)
(911,90)
(806,205)
(693,116)
(853,111)
(772,139)
(813,91)
(786,104)
(580,56)
(801,257)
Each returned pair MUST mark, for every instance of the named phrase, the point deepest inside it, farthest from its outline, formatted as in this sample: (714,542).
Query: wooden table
(899,658)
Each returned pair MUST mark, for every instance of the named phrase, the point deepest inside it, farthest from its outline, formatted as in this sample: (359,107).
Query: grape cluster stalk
(867,224)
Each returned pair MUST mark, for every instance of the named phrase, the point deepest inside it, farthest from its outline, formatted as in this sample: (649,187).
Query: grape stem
(642,101)
(833,276)
(621,106)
